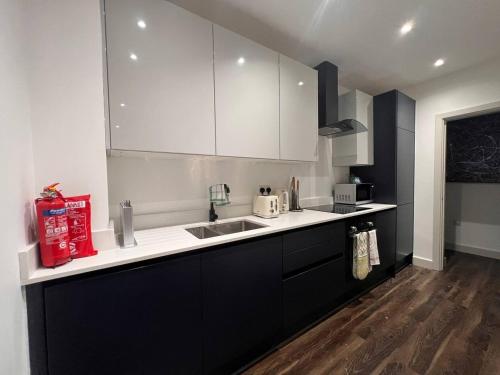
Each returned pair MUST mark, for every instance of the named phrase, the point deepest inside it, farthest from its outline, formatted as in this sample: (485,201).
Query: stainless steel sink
(202,232)
(214,230)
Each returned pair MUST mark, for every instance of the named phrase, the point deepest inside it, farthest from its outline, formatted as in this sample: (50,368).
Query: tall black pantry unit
(394,169)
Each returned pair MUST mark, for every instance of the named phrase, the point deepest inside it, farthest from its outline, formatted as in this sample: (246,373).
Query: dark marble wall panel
(473,149)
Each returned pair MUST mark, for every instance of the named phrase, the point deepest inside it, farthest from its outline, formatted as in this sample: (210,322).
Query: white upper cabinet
(160,78)
(246,97)
(298,111)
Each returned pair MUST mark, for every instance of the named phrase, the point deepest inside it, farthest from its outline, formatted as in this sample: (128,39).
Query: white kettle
(283,201)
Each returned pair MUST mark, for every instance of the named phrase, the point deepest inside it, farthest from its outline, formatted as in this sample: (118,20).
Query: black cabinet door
(405,112)
(311,294)
(404,242)
(386,239)
(405,166)
(145,320)
(242,302)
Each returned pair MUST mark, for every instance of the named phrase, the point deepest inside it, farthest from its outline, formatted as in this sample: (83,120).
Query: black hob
(338,208)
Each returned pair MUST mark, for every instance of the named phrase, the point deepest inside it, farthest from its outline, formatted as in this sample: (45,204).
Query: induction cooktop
(338,208)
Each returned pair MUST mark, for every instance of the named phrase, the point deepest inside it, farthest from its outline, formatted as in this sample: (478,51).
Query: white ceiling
(362,36)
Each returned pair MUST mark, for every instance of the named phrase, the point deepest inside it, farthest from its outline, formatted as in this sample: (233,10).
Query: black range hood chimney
(331,108)
(328,95)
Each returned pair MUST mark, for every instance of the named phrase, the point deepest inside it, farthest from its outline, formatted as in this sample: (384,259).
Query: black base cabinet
(313,274)
(386,239)
(211,312)
(139,321)
(311,294)
(242,303)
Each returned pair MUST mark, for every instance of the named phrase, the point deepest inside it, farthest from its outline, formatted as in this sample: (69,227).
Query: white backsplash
(169,190)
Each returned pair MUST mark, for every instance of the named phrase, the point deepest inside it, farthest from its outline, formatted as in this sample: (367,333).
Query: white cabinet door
(298,111)
(160,72)
(246,97)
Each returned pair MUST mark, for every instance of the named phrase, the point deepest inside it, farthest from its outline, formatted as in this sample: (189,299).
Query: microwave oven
(354,193)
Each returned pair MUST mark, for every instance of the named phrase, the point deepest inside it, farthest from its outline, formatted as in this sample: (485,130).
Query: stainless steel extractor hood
(355,110)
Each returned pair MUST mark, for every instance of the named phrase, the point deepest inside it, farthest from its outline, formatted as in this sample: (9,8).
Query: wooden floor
(422,322)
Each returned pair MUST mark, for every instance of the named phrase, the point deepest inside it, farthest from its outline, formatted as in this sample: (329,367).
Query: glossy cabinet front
(179,84)
(246,97)
(298,111)
(160,78)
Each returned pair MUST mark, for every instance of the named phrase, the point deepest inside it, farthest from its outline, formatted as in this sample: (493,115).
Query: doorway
(442,122)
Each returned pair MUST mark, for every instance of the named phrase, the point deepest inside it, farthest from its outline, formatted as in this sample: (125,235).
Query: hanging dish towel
(373,248)
(360,261)
(355,255)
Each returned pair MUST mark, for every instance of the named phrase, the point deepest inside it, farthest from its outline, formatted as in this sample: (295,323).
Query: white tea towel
(361,264)
(373,248)
(355,255)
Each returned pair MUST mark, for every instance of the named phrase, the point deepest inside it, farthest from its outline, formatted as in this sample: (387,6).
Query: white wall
(472,219)
(16,188)
(66,82)
(468,88)
(167,191)
(51,129)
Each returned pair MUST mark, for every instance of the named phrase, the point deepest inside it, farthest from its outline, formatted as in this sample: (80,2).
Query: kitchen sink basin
(213,230)
(202,232)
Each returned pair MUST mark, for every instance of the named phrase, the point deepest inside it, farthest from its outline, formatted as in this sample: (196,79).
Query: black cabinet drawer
(312,294)
(309,237)
(307,247)
(311,255)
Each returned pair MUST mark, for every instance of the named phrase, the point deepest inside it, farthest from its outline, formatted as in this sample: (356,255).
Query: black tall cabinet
(394,168)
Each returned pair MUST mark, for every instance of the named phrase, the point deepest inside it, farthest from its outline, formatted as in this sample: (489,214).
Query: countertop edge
(47,274)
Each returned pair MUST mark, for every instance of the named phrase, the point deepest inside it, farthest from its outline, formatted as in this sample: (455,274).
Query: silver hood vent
(355,112)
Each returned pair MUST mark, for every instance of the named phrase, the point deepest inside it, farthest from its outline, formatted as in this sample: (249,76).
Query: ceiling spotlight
(301,83)
(122,105)
(406,28)
(117,126)
(439,62)
(133,56)
(141,24)
(241,61)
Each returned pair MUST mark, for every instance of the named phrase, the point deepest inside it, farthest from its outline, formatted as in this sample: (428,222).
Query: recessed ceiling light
(439,62)
(241,61)
(141,24)
(301,83)
(117,126)
(122,104)
(133,56)
(406,28)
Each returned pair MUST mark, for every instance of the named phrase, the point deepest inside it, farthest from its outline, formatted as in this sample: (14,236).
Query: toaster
(266,206)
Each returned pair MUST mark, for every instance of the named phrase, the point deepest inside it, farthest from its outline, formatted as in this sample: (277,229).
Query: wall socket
(265,189)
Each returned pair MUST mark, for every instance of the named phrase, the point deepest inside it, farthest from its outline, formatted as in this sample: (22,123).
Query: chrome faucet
(219,196)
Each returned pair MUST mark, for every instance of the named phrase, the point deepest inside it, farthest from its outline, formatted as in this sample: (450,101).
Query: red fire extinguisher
(52,227)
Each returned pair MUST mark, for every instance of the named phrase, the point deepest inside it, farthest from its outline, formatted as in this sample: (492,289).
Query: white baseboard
(423,262)
(488,253)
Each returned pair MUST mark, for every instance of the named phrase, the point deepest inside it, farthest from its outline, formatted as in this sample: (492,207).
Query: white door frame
(440,173)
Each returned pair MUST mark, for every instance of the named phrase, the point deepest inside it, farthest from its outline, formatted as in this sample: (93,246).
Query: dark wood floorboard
(421,322)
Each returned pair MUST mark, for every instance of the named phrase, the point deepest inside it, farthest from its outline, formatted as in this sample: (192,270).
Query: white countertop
(160,242)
